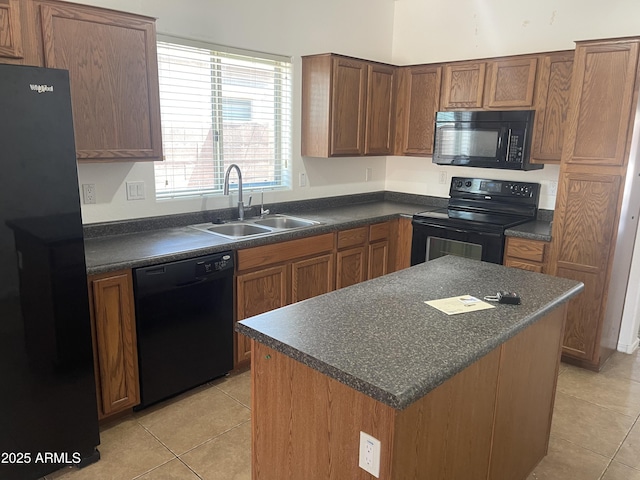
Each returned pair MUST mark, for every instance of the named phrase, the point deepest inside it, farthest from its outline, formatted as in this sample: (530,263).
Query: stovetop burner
(485,205)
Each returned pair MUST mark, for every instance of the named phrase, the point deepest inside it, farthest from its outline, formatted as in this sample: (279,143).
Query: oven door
(432,241)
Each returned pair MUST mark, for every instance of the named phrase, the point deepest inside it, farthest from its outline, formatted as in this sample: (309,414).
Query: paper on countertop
(462,304)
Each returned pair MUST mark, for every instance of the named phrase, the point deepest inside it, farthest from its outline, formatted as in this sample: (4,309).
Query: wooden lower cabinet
(311,277)
(526,254)
(258,292)
(378,259)
(275,275)
(114,342)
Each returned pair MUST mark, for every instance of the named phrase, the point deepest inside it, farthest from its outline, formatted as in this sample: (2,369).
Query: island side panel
(526,392)
(306,425)
(446,435)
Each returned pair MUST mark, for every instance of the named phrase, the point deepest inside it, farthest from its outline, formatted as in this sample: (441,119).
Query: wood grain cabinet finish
(351,256)
(511,83)
(552,106)
(10,30)
(418,101)
(378,255)
(112,63)
(272,276)
(526,254)
(347,106)
(258,292)
(463,85)
(114,339)
(587,219)
(601,100)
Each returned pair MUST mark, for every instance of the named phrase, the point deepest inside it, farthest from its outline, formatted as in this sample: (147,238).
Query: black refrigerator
(48,412)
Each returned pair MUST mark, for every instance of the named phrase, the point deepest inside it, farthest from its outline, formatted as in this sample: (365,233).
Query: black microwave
(490,139)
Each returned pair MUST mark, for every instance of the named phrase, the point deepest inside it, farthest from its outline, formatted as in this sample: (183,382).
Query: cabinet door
(378,259)
(601,103)
(583,235)
(349,84)
(10,29)
(351,266)
(112,63)
(379,116)
(418,102)
(256,293)
(463,85)
(115,342)
(511,83)
(311,277)
(552,107)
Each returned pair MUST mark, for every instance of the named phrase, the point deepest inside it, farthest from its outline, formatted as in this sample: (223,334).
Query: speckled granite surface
(537,230)
(151,247)
(143,242)
(380,338)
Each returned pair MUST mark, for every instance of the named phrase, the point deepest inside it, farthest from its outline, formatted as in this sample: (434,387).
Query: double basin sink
(257,226)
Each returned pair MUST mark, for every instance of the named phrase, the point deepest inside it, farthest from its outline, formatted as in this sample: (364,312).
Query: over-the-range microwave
(490,139)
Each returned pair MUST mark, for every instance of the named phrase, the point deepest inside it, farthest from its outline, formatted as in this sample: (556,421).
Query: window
(218,108)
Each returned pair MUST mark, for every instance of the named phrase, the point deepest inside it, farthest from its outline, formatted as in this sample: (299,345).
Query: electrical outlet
(303,180)
(553,187)
(89,193)
(368,173)
(369,459)
(442,178)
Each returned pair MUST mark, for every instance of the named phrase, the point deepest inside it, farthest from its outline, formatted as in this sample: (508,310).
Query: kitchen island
(465,396)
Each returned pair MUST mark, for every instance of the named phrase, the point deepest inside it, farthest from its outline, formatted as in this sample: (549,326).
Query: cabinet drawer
(523,265)
(379,231)
(284,251)
(352,237)
(526,249)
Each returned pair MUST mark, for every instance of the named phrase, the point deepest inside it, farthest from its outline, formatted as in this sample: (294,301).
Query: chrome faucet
(226,188)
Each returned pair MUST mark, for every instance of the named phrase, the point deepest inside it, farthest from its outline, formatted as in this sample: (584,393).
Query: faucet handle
(250,198)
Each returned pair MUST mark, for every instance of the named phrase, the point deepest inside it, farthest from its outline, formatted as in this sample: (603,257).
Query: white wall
(362,28)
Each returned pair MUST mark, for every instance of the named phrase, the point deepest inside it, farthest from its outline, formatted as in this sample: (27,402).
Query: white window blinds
(219,108)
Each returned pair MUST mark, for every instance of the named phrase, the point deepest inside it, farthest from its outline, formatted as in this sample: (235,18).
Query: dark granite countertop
(380,338)
(536,230)
(143,248)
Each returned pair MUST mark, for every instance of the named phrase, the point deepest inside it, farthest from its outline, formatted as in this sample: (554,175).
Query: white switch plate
(553,187)
(89,193)
(442,178)
(303,180)
(368,173)
(135,190)
(369,459)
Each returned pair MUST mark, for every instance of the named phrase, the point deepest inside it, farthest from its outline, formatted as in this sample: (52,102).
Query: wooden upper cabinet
(552,106)
(511,83)
(112,63)
(417,103)
(601,103)
(10,29)
(379,113)
(463,85)
(347,106)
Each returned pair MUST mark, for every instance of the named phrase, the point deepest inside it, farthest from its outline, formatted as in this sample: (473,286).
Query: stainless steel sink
(238,229)
(257,226)
(285,222)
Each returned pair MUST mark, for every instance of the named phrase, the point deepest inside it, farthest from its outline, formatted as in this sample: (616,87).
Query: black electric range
(473,224)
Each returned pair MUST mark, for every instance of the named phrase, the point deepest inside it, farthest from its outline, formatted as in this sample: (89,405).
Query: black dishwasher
(184,322)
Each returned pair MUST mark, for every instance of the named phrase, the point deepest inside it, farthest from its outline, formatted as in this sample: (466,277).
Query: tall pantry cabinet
(598,201)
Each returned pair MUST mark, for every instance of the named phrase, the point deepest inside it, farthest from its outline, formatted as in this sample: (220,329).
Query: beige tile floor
(205,433)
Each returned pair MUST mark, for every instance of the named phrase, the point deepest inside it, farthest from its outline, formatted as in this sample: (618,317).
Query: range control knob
(459,183)
(467,183)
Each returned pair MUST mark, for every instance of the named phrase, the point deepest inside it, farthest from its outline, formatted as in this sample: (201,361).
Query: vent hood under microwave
(489,139)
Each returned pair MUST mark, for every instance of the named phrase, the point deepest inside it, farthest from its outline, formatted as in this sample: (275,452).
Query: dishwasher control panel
(213,264)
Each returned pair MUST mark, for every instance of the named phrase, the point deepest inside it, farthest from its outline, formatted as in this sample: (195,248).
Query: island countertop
(380,338)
